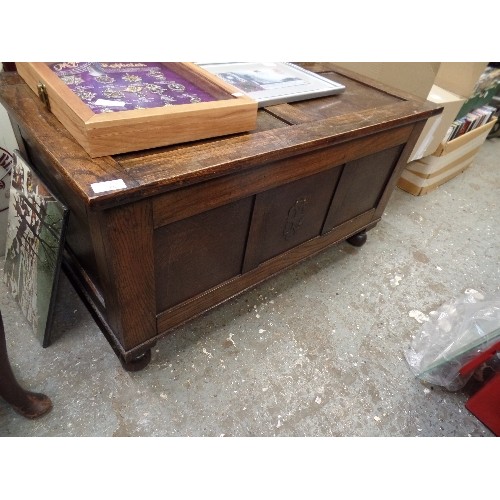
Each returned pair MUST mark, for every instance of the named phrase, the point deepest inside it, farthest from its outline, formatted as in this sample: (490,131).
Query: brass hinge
(42,94)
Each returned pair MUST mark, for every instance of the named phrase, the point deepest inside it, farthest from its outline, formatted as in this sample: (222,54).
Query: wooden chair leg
(26,403)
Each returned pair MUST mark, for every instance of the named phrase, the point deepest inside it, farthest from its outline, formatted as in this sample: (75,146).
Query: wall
(7,145)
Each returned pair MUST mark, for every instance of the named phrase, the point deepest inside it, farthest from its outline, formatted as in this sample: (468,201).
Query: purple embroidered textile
(108,87)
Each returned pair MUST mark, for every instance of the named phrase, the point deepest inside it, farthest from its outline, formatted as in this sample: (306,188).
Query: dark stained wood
(123,239)
(361,186)
(79,242)
(360,98)
(135,364)
(288,215)
(95,304)
(290,113)
(205,301)
(398,170)
(198,253)
(358,240)
(50,142)
(201,162)
(190,200)
(266,121)
(198,223)
(9,66)
(20,142)
(154,171)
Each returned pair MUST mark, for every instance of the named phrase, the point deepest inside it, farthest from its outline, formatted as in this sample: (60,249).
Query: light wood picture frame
(102,134)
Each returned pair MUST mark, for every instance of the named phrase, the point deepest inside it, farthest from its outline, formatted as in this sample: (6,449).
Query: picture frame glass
(108,87)
(275,82)
(36,229)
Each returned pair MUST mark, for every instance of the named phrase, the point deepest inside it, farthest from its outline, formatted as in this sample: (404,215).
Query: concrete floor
(317,351)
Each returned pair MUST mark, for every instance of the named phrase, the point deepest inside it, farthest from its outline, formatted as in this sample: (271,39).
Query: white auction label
(105,102)
(102,187)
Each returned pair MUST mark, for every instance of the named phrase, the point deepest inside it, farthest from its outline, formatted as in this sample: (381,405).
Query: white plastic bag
(455,333)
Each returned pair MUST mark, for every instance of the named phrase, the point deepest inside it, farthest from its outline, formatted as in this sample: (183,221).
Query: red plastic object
(485,403)
(479,359)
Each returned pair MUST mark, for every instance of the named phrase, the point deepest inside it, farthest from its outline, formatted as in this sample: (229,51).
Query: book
(472,120)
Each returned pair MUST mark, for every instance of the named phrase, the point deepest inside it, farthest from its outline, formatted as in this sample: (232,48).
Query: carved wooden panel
(361,185)
(288,215)
(195,254)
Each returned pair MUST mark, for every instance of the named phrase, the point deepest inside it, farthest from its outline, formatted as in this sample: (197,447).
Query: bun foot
(358,240)
(138,363)
(34,405)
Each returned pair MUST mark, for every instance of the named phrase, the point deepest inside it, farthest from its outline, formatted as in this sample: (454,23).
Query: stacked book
(470,121)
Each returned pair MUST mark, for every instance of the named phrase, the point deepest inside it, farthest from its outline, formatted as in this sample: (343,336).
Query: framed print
(274,83)
(6,160)
(118,107)
(35,237)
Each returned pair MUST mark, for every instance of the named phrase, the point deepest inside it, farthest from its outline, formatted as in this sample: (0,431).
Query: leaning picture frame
(275,82)
(36,230)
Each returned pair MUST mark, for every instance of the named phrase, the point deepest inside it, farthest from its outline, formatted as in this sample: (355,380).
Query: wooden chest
(195,224)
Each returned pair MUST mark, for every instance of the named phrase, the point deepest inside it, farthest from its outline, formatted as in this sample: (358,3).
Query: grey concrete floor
(316,351)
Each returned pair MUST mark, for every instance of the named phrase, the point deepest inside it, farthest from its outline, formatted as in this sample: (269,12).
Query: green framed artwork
(36,229)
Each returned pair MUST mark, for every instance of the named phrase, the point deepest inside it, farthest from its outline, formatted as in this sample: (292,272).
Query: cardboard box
(416,78)
(449,160)
(460,77)
(479,99)
(436,127)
